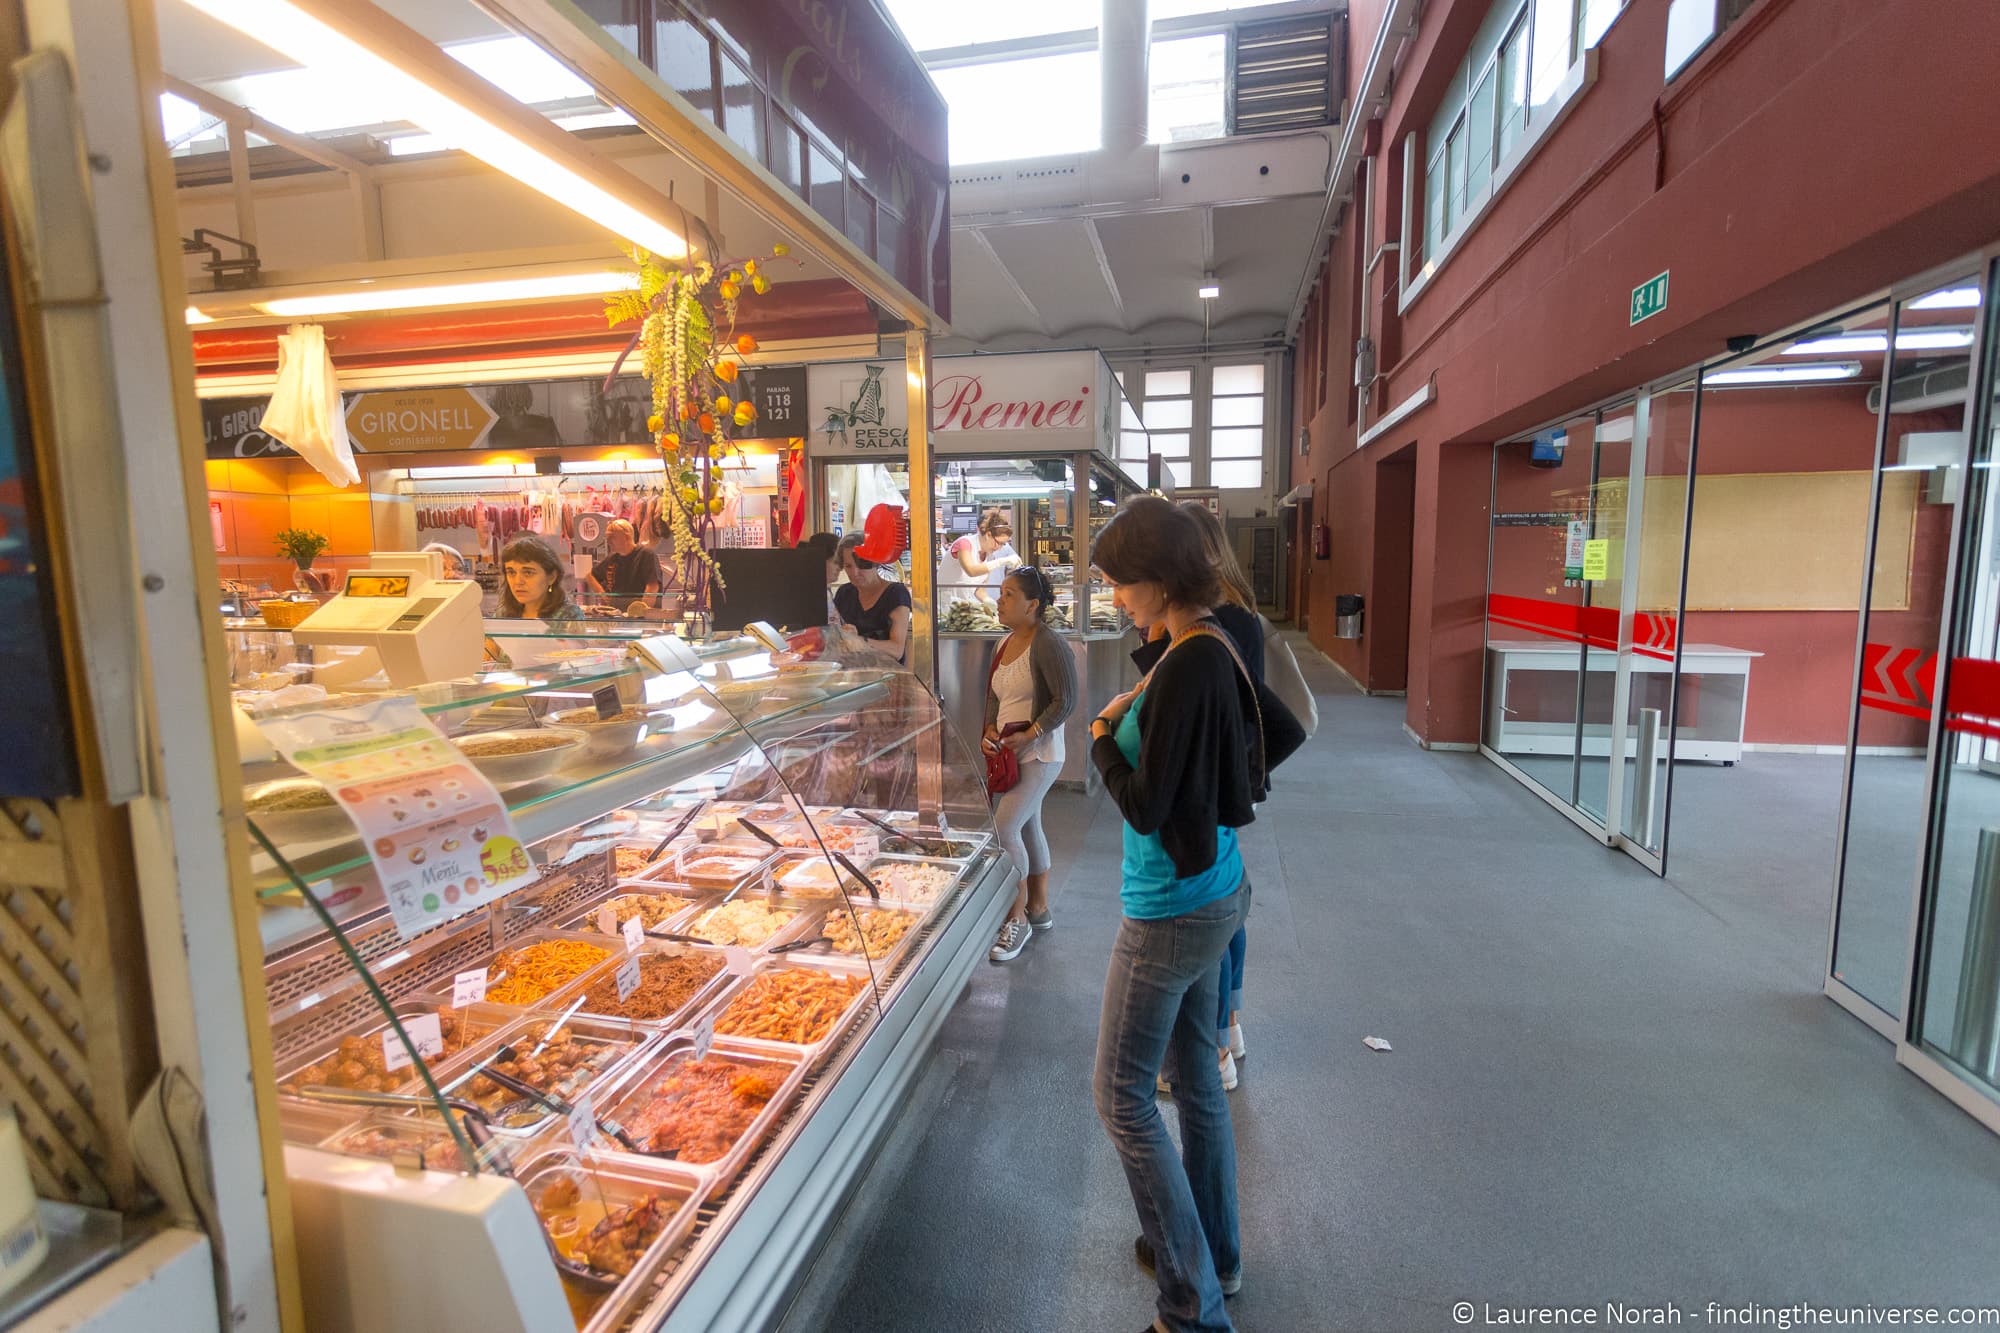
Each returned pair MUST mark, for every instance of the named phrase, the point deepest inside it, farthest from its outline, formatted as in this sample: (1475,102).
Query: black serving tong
(855,871)
(525,1091)
(798,944)
(910,835)
(679,829)
(758,831)
(678,938)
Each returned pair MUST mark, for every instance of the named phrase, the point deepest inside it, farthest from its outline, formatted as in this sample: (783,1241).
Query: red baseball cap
(885,535)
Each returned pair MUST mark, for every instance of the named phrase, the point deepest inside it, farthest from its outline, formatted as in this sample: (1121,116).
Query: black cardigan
(1196,736)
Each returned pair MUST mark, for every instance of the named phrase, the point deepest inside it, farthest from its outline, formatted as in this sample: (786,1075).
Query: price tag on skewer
(424,1030)
(607,920)
(736,958)
(634,931)
(628,978)
(468,987)
(704,1037)
(582,1126)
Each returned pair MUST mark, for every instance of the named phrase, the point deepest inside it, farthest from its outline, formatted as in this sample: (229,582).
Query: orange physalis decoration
(707,423)
(745,413)
(730,291)
(726,371)
(745,344)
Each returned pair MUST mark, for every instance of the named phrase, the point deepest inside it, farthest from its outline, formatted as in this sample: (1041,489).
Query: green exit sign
(1649,298)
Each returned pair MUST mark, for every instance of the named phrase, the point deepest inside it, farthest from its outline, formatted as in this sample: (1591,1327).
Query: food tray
(404,1139)
(615,1180)
(567,991)
(650,870)
(589,921)
(885,963)
(626,1102)
(690,870)
(703,996)
(955,869)
(860,842)
(853,970)
(802,914)
(481,1021)
(614,1041)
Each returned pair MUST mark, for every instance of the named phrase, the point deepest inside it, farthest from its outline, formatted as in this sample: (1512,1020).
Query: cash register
(419,625)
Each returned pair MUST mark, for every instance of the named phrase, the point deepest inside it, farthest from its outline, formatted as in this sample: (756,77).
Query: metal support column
(1975,1028)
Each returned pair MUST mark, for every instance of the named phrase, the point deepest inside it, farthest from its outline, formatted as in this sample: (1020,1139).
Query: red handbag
(1003,766)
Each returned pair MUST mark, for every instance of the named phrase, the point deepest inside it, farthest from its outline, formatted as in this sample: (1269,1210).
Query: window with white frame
(1504,91)
(1133,445)
(1189,84)
(1168,411)
(1236,422)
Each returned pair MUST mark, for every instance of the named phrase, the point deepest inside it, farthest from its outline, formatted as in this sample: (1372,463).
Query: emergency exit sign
(1649,298)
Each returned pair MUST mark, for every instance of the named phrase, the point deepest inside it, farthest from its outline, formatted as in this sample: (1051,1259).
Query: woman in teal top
(1176,757)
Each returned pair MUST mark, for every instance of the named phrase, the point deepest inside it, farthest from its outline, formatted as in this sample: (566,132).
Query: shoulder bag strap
(1209,631)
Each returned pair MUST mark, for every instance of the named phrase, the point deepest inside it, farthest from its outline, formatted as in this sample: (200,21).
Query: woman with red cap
(873,607)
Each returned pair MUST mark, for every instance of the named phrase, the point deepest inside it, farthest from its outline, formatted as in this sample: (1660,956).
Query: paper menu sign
(424,1029)
(437,832)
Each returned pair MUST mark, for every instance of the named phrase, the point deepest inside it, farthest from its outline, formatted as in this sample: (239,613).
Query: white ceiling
(201,50)
(1128,280)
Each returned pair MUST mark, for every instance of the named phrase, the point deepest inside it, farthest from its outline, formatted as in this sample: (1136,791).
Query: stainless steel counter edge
(749,1278)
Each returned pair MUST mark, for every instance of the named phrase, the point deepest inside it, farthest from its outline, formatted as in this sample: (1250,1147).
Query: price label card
(635,932)
(468,987)
(736,958)
(628,979)
(424,1030)
(704,1037)
(583,1125)
(607,920)
(607,703)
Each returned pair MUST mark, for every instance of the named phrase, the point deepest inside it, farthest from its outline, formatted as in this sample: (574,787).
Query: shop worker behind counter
(1184,757)
(875,608)
(631,571)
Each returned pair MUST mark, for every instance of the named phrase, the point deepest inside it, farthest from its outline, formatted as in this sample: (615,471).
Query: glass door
(1604,584)
(1952,1035)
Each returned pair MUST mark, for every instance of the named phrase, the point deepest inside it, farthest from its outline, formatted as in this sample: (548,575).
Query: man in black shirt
(630,571)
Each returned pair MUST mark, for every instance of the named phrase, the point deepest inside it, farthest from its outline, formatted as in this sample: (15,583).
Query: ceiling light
(1832,370)
(364,297)
(287,27)
(1913,340)
(195,316)
(1955,298)
(1209,289)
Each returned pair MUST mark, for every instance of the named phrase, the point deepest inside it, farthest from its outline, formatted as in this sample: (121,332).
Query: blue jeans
(1160,998)
(1230,992)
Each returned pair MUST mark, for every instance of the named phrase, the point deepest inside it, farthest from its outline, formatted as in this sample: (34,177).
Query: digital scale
(419,626)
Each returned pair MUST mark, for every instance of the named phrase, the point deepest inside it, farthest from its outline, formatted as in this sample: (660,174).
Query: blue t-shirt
(1152,890)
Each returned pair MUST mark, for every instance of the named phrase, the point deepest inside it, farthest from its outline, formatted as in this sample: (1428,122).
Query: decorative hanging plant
(691,355)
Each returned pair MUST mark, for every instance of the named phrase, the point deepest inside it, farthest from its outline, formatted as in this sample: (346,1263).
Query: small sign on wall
(1597,560)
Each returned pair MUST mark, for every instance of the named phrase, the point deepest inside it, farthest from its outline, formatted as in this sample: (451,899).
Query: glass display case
(617,1080)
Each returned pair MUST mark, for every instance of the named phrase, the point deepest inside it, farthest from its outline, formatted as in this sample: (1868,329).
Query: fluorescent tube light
(1209,289)
(461,470)
(1911,340)
(1833,370)
(363,297)
(289,28)
(1956,298)
(195,316)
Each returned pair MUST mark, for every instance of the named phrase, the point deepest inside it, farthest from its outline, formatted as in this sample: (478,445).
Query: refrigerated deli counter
(646,1079)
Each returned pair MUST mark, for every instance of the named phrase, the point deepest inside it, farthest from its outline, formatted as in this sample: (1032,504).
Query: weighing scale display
(378,585)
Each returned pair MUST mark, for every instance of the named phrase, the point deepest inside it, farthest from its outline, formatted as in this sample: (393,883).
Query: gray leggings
(1017,816)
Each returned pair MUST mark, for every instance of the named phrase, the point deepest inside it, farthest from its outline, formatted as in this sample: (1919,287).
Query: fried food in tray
(696,1110)
(608,1239)
(428,1146)
(357,1063)
(881,930)
(562,1065)
(632,862)
(653,910)
(535,970)
(796,1005)
(749,922)
(667,981)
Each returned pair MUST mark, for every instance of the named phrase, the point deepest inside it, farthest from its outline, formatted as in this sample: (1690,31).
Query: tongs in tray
(479,1129)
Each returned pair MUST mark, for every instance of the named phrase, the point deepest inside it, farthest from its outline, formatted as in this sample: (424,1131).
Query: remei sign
(403,421)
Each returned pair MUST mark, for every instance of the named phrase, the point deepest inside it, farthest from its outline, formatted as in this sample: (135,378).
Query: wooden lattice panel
(45,1073)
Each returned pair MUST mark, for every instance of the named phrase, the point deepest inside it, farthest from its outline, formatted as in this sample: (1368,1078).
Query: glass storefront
(1729,604)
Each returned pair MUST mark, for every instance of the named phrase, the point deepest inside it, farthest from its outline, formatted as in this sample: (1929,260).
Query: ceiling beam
(1013,283)
(231,114)
(1104,271)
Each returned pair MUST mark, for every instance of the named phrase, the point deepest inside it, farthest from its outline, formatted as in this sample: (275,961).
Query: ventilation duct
(1924,389)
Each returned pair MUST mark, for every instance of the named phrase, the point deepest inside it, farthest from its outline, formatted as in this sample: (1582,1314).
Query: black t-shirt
(873,622)
(627,575)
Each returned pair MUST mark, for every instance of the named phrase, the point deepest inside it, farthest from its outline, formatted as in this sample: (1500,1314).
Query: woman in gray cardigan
(1030,694)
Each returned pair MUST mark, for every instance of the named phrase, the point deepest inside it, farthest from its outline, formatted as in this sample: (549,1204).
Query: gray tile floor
(1605,1086)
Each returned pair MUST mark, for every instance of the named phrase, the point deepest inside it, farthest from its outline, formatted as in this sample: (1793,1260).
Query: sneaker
(1236,1041)
(1142,1249)
(1227,1063)
(1014,937)
(1042,921)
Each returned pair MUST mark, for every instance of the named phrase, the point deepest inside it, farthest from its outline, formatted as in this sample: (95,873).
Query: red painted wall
(1770,189)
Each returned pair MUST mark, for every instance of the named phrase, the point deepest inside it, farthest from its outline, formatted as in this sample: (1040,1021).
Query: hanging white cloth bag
(304,413)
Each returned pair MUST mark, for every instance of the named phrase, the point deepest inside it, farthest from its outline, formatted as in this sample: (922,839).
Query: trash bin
(1347,616)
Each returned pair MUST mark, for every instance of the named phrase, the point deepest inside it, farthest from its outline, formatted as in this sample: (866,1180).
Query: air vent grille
(1286,74)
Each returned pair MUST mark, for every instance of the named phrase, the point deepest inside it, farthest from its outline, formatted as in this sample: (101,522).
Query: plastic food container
(841,924)
(462,1028)
(585,1053)
(415,1142)
(635,859)
(720,871)
(701,1117)
(737,1014)
(646,1006)
(572,1196)
(905,880)
(500,992)
(813,878)
(745,919)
